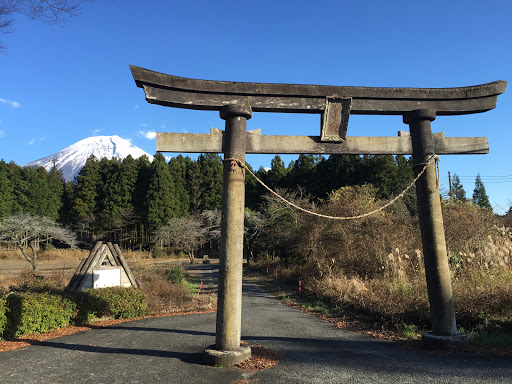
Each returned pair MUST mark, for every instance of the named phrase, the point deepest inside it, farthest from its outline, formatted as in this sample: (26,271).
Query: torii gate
(237,101)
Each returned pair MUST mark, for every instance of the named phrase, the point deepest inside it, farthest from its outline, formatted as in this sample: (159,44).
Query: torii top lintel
(181,92)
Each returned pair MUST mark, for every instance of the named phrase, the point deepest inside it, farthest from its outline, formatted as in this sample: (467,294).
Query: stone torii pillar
(227,349)
(236,101)
(437,270)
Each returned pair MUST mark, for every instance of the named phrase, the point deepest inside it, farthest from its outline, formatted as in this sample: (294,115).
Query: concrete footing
(213,356)
(432,341)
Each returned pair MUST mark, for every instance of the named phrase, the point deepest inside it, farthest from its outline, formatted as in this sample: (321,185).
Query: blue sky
(63,83)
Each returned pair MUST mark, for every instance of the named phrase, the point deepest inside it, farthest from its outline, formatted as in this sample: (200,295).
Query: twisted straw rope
(242,165)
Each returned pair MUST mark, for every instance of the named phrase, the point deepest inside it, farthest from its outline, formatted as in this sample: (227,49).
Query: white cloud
(11,103)
(96,132)
(168,158)
(151,135)
(36,140)
(143,125)
(2,133)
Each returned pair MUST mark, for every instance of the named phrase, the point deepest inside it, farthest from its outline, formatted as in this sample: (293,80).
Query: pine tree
(19,188)
(161,197)
(302,172)
(55,183)
(141,185)
(107,186)
(140,192)
(111,196)
(277,174)
(381,172)
(339,171)
(193,179)
(66,214)
(128,180)
(37,192)
(178,170)
(211,181)
(480,197)
(86,191)
(6,191)
(457,193)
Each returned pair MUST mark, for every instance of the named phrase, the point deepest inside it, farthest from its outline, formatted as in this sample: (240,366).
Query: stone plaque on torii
(237,101)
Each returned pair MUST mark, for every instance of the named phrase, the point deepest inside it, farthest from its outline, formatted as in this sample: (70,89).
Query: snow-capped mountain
(70,160)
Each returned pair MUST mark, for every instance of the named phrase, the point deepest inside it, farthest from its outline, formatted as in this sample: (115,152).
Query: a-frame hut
(105,267)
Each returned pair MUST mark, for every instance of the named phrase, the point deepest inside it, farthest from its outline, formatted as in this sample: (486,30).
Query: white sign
(106,277)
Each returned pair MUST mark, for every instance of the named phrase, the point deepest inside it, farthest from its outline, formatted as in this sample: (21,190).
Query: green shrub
(116,302)
(175,274)
(157,252)
(37,313)
(3,315)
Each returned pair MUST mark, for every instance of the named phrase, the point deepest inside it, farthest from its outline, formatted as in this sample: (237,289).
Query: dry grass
(27,277)
(374,267)
(160,293)
(68,254)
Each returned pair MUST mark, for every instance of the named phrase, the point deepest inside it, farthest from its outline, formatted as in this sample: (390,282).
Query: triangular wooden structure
(104,257)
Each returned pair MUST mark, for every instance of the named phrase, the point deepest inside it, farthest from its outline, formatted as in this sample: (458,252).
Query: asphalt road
(169,349)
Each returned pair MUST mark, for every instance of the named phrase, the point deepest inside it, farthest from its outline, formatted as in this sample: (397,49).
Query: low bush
(175,274)
(157,252)
(161,294)
(116,302)
(3,316)
(37,313)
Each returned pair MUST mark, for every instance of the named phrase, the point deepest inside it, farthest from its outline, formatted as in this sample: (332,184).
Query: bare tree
(183,233)
(50,11)
(25,230)
(189,233)
(211,221)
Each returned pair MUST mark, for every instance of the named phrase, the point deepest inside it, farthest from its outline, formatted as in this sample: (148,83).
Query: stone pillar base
(213,356)
(432,341)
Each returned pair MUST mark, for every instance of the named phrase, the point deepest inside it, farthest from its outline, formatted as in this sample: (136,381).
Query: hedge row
(116,302)
(37,313)
(3,315)
(29,312)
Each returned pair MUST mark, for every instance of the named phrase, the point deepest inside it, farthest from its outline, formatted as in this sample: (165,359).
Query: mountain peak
(70,160)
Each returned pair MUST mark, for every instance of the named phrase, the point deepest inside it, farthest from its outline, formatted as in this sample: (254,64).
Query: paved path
(168,350)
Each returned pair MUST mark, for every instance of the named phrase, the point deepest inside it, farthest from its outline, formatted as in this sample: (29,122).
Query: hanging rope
(425,165)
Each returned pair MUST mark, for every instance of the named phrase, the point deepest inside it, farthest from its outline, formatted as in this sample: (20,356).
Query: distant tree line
(457,192)
(128,201)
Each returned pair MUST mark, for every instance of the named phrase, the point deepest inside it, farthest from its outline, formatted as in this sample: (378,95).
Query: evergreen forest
(128,201)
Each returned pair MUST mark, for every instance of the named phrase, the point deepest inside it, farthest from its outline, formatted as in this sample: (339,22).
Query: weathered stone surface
(229,305)
(433,341)
(181,92)
(213,356)
(437,271)
(353,145)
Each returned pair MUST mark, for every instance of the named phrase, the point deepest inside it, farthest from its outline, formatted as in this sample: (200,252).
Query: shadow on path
(186,357)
